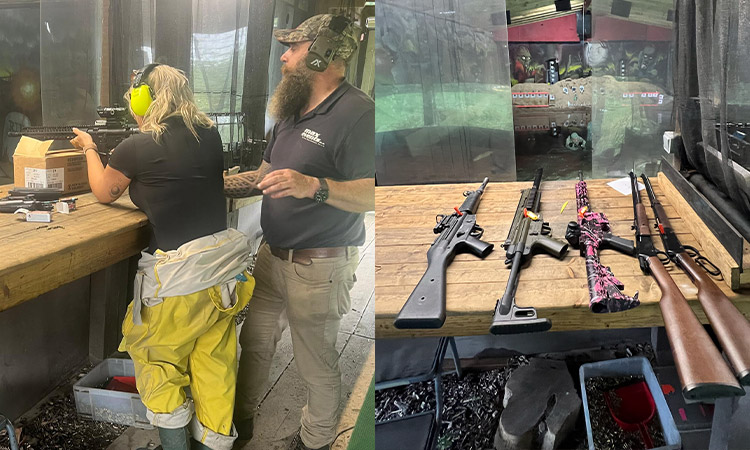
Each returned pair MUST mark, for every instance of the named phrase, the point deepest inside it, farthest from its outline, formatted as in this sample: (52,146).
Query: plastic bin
(631,366)
(99,404)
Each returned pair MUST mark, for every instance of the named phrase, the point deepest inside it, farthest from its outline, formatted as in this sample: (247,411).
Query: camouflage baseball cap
(315,25)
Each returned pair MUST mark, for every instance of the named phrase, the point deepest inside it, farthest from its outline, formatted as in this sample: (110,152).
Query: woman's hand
(82,140)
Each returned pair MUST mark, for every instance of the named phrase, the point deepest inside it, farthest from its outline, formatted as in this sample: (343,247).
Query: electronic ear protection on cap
(141,94)
(325,45)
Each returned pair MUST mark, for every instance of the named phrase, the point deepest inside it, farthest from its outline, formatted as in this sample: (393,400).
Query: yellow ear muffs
(140,99)
(142,95)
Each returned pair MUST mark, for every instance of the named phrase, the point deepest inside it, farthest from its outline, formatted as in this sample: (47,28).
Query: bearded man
(317,179)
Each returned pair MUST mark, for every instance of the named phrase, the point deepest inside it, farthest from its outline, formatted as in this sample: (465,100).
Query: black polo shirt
(336,140)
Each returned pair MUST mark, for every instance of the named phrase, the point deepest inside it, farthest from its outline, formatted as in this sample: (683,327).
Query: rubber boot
(175,438)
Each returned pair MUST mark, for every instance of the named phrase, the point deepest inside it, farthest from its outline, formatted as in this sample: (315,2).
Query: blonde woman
(192,279)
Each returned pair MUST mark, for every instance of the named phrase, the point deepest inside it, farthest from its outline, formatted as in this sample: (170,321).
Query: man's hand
(288,183)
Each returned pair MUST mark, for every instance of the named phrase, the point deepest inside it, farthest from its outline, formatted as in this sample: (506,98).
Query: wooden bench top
(405,216)
(39,257)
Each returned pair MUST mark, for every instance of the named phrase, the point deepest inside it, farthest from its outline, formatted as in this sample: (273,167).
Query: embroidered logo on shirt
(312,136)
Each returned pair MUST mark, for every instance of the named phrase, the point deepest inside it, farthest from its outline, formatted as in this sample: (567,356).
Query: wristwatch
(321,195)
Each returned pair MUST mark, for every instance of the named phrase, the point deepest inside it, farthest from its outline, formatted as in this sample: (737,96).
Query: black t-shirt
(178,183)
(336,140)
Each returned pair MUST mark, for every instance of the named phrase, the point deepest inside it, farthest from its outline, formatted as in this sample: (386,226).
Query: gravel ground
(57,426)
(473,404)
(471,409)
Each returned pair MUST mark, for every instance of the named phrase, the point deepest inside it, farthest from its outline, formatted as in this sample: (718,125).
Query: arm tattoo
(245,184)
(115,191)
(241,185)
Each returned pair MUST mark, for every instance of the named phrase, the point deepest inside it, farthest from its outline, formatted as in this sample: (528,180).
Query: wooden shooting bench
(39,257)
(405,216)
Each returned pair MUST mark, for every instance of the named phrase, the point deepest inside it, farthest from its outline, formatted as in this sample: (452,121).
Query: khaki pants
(314,297)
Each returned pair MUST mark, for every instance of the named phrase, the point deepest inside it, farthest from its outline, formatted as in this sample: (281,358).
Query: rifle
(458,233)
(703,372)
(730,326)
(29,198)
(106,132)
(591,233)
(41,194)
(11,206)
(528,233)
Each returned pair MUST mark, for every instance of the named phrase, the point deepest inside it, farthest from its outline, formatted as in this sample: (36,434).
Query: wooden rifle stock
(703,372)
(731,327)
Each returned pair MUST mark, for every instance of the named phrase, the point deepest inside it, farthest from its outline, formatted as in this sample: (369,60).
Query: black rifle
(110,130)
(458,233)
(730,326)
(528,233)
(703,372)
(28,198)
(591,233)
(41,194)
(11,206)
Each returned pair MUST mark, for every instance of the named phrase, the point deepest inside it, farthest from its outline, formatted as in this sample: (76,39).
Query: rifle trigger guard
(663,257)
(702,261)
(477,232)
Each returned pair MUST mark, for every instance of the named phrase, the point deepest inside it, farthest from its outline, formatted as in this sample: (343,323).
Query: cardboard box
(35,166)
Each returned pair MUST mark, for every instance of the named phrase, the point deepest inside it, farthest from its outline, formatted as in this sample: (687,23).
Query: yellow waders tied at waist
(188,340)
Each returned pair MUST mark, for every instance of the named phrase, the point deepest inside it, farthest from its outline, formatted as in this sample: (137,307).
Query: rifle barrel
(649,189)
(532,203)
(484,184)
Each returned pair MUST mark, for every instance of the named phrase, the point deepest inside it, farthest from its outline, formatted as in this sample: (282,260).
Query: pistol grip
(625,246)
(551,246)
(573,234)
(479,247)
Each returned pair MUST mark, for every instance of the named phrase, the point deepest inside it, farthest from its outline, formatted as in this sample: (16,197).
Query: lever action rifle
(107,132)
(591,233)
(703,373)
(458,233)
(528,233)
(730,326)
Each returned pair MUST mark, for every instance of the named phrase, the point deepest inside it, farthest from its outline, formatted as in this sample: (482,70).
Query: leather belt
(304,255)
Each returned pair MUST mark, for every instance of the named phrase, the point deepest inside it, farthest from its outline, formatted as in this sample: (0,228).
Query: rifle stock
(703,372)
(730,325)
(425,307)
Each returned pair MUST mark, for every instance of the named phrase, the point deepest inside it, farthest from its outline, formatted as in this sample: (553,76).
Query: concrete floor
(279,414)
